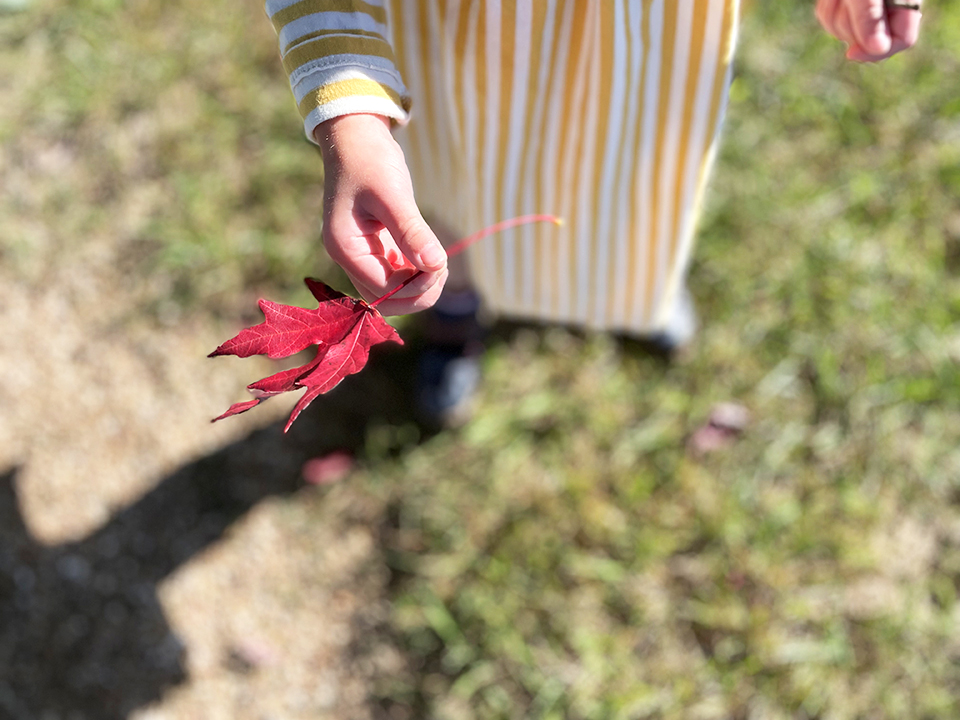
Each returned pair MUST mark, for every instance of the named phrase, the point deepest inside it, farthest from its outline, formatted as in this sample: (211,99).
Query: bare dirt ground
(155,566)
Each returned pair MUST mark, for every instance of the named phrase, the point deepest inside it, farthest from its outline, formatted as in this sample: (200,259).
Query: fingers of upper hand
(871,30)
(843,22)
(870,26)
(826,10)
(904,27)
(904,31)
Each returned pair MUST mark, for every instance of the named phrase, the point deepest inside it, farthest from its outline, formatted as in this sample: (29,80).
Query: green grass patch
(566,556)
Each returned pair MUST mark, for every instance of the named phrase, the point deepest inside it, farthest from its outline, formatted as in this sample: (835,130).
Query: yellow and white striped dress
(604,112)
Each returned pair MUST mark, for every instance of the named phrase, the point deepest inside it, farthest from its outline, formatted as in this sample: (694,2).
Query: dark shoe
(448,369)
(447,381)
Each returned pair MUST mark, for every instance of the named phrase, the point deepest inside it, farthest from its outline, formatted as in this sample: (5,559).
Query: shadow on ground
(82,633)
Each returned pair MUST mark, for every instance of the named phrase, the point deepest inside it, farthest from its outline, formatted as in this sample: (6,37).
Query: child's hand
(371,225)
(871,30)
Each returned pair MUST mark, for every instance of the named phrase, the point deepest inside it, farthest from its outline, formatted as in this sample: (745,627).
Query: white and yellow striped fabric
(604,112)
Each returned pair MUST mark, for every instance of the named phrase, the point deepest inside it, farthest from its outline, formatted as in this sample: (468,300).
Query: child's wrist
(337,134)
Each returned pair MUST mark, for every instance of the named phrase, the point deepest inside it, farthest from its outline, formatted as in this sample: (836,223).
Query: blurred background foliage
(569,553)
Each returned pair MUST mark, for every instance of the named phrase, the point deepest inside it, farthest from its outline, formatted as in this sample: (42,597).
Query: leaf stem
(461,245)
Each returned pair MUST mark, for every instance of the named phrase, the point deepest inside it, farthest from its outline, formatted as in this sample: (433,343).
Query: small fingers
(868,25)
(844,25)
(420,294)
(357,253)
(409,230)
(375,265)
(904,31)
(373,275)
(904,27)
(901,27)
(420,244)
(825,12)
(871,29)
(421,284)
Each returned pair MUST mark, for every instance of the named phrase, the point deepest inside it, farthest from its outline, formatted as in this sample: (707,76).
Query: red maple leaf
(342,328)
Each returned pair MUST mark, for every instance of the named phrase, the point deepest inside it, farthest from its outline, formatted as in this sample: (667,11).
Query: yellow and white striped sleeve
(339,59)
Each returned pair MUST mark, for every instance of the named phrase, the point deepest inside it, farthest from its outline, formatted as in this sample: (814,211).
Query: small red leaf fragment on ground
(328,469)
(725,424)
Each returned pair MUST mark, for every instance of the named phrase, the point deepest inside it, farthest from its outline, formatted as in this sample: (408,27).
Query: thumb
(413,236)
(422,247)
(868,19)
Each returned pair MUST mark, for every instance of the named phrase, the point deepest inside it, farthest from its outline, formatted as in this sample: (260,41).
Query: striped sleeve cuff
(338,59)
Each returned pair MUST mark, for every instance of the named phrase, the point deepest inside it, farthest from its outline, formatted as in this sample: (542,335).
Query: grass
(164,131)
(564,555)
